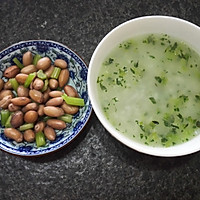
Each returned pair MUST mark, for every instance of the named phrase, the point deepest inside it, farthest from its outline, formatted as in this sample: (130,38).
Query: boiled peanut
(57,101)
(17,119)
(53,83)
(14,134)
(41,110)
(50,133)
(5,93)
(21,78)
(69,109)
(60,63)
(11,71)
(63,77)
(29,135)
(38,84)
(13,108)
(36,96)
(20,101)
(5,102)
(70,91)
(29,69)
(44,63)
(31,116)
(56,124)
(1,84)
(55,93)
(39,126)
(7,86)
(30,106)
(53,111)
(49,71)
(27,58)
(46,95)
(22,91)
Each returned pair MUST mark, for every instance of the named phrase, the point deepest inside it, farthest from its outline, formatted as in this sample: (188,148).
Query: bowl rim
(173,151)
(89,110)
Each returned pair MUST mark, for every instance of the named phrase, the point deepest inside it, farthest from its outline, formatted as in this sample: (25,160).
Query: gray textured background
(95,166)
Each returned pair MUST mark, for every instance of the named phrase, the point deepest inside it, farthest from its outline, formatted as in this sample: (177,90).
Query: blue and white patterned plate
(78,79)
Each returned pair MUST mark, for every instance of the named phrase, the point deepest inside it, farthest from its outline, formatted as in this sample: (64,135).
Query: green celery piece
(46,83)
(40,139)
(66,118)
(26,126)
(29,79)
(14,83)
(36,58)
(18,63)
(74,101)
(46,118)
(41,74)
(56,72)
(4,116)
(8,124)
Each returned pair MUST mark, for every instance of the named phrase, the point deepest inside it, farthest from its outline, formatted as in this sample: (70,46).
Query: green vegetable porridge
(149,88)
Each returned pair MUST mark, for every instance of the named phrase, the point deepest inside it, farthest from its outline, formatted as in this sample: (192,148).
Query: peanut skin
(69,109)
(27,58)
(5,93)
(1,84)
(63,77)
(17,119)
(49,133)
(39,126)
(60,63)
(31,116)
(5,102)
(56,124)
(28,69)
(20,101)
(36,96)
(14,134)
(11,71)
(70,91)
(44,63)
(29,135)
(22,91)
(21,78)
(53,111)
(57,101)
(30,106)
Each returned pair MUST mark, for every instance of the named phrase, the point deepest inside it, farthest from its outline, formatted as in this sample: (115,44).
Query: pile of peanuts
(30,104)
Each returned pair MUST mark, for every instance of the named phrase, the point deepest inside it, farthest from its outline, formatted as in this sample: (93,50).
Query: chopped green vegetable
(152,100)
(14,83)
(4,116)
(8,124)
(46,118)
(73,100)
(168,119)
(109,61)
(29,79)
(26,126)
(56,72)
(41,74)
(46,83)
(36,58)
(158,79)
(66,118)
(18,63)
(40,139)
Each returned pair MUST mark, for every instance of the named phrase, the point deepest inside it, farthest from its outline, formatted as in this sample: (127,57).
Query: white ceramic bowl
(178,28)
